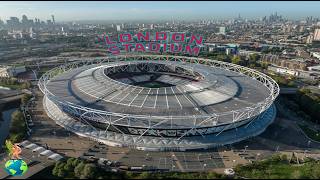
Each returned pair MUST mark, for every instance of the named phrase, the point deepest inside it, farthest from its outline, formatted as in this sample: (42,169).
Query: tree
(78,169)
(236,60)
(89,171)
(17,122)
(26,85)
(25,98)
(253,58)
(145,175)
(58,169)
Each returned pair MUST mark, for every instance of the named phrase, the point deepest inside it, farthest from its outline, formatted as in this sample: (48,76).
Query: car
(114,170)
(92,159)
(115,163)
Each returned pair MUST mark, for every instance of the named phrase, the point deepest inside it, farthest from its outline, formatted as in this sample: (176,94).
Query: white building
(118,28)
(316,55)
(312,74)
(316,35)
(314,68)
(9,71)
(222,30)
(282,70)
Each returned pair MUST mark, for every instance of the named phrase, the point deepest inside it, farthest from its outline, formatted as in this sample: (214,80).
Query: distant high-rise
(1,22)
(118,28)
(316,35)
(222,30)
(13,23)
(31,32)
(53,21)
(24,19)
(151,26)
(49,22)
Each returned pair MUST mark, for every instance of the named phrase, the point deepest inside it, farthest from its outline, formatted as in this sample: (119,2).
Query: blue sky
(116,10)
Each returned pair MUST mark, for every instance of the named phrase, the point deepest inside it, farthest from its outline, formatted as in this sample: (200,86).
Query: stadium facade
(159,102)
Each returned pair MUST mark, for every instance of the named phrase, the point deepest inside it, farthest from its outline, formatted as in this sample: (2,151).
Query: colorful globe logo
(16,167)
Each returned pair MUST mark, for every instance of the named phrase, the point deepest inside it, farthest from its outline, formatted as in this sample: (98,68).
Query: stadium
(159,102)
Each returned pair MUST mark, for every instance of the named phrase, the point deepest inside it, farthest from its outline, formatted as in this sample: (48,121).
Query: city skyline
(73,11)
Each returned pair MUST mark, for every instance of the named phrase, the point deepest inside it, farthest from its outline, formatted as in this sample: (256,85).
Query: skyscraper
(1,22)
(53,21)
(316,35)
(118,28)
(13,23)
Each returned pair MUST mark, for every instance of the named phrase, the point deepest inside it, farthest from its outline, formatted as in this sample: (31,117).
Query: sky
(154,10)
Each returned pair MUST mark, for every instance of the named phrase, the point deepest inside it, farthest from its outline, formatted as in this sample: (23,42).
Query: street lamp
(204,165)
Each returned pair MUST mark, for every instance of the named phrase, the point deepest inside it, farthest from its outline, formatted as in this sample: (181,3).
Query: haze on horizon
(158,10)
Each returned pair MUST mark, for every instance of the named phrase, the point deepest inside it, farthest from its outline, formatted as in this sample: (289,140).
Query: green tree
(253,58)
(58,170)
(17,122)
(25,98)
(26,85)
(89,171)
(79,169)
(236,60)
(145,175)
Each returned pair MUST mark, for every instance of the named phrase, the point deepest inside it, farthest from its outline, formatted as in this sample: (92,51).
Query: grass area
(314,135)
(279,168)
(11,86)
(13,83)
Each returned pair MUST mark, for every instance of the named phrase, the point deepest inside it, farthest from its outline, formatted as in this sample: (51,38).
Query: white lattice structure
(210,103)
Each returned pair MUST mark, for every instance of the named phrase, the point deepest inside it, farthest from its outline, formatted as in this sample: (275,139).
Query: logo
(158,42)
(15,166)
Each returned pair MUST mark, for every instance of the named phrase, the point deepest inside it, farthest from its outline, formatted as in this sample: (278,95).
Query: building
(118,28)
(222,30)
(297,63)
(316,55)
(53,20)
(282,70)
(311,74)
(9,71)
(316,35)
(314,68)
(309,39)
